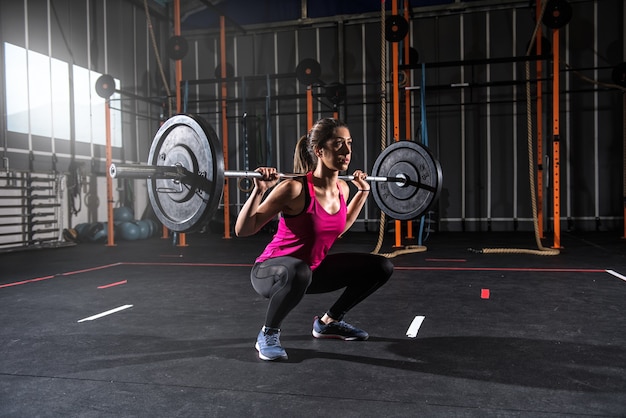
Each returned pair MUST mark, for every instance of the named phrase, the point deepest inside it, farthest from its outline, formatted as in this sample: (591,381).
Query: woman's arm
(358,200)
(256,212)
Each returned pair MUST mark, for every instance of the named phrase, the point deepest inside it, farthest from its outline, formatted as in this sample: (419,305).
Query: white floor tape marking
(616,274)
(415,326)
(100,315)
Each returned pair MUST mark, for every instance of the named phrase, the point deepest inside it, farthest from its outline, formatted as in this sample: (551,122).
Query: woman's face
(336,152)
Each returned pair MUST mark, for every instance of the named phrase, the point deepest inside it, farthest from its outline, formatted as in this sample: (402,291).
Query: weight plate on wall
(230,70)
(185,205)
(308,71)
(177,47)
(335,92)
(396,28)
(413,198)
(557,14)
(105,86)
(413,61)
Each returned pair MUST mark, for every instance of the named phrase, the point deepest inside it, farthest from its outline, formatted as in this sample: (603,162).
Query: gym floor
(147,328)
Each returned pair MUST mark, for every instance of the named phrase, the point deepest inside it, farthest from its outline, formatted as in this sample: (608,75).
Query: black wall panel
(478,130)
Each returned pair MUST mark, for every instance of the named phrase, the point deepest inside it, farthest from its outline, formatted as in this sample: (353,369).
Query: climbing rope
(383,138)
(531,172)
(383,112)
(158,58)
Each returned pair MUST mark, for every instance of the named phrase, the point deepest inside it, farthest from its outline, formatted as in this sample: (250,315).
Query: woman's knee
(294,275)
(384,267)
(388,267)
(280,273)
(302,275)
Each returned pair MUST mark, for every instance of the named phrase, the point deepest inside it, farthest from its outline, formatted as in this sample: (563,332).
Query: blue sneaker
(268,344)
(340,330)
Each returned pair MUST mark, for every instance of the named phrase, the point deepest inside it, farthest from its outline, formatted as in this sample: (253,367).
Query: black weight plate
(230,70)
(557,14)
(415,162)
(186,205)
(413,61)
(335,92)
(177,47)
(308,71)
(396,28)
(105,86)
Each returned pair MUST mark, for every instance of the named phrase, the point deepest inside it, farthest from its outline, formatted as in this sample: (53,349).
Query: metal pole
(110,230)
(556,138)
(224,123)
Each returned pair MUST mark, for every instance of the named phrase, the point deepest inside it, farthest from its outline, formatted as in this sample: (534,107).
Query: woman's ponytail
(303,158)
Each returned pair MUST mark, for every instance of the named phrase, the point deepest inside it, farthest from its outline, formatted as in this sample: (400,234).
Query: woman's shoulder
(290,189)
(344,187)
(292,194)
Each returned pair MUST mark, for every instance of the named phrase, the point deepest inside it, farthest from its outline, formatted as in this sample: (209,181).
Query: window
(89,110)
(38,99)
(16,88)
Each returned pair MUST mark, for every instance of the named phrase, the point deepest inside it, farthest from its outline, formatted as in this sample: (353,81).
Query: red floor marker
(106,286)
(484,293)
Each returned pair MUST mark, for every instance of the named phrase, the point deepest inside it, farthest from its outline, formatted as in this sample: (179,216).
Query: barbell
(185,175)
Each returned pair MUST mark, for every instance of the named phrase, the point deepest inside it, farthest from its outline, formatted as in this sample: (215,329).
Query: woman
(314,214)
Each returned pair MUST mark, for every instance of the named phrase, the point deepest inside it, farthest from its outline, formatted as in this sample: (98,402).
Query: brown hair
(304,158)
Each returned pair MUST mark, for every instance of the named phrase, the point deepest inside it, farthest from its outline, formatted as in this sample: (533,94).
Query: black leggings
(285,280)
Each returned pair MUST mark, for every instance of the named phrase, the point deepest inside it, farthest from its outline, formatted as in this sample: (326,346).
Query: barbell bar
(400,179)
(178,172)
(185,175)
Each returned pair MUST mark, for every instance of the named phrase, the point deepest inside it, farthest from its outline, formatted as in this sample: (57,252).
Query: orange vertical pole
(539,110)
(396,98)
(109,158)
(407,106)
(224,125)
(407,96)
(179,63)
(396,107)
(556,141)
(182,237)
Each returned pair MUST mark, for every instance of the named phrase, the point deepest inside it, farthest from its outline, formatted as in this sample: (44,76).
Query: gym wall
(475,105)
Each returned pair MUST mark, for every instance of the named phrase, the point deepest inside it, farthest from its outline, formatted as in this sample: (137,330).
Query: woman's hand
(268,180)
(252,217)
(359,180)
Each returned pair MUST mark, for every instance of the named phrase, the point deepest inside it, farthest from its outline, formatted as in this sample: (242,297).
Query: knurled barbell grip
(143,171)
(374,178)
(256,174)
(405,181)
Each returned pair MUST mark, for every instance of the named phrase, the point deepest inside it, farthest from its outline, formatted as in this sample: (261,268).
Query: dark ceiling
(205,14)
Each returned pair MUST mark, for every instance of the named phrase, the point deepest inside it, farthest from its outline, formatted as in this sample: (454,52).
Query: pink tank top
(308,235)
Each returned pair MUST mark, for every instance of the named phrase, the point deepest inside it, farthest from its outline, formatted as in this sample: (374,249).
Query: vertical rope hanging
(543,250)
(158,58)
(383,111)
(531,167)
(383,137)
